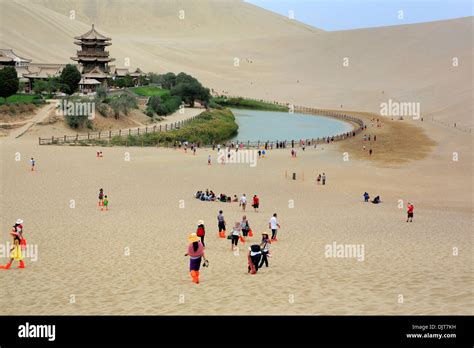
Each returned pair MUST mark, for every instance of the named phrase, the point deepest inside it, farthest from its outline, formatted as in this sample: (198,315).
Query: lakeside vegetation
(212,126)
(150,91)
(247,104)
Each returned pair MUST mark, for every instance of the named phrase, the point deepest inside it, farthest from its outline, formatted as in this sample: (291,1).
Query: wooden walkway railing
(107,135)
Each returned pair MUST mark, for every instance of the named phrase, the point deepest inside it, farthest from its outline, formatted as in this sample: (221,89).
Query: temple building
(92,62)
(93,57)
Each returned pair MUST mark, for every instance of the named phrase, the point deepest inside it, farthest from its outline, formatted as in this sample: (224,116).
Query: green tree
(189,92)
(154,103)
(167,81)
(69,79)
(9,82)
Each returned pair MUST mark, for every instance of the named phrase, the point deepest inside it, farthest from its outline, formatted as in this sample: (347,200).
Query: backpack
(255,248)
(200,231)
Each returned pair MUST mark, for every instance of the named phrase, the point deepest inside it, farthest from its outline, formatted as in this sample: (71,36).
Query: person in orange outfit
(196,254)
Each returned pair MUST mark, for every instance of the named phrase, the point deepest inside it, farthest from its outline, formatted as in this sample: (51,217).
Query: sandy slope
(404,63)
(82,249)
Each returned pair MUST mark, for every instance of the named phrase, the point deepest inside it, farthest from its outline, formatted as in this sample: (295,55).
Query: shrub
(102,109)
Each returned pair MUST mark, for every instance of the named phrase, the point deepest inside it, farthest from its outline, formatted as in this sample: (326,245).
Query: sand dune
(290,61)
(81,250)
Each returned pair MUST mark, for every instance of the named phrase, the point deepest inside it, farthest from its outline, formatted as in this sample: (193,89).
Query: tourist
(33,163)
(243,202)
(196,254)
(253,258)
(15,254)
(376,200)
(244,226)
(201,231)
(410,212)
(274,226)
(221,224)
(255,203)
(265,248)
(18,228)
(194,151)
(323,178)
(235,235)
(208,160)
(106,203)
(375,138)
(366,197)
(370,152)
(318,179)
(235,199)
(101,197)
(259,153)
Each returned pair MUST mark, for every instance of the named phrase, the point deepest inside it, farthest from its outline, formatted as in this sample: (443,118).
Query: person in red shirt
(410,212)
(255,203)
(201,231)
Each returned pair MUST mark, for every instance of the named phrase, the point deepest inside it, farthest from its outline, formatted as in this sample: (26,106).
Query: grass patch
(248,104)
(22,99)
(150,91)
(211,126)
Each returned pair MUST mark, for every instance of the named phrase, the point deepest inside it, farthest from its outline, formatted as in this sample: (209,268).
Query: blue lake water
(271,125)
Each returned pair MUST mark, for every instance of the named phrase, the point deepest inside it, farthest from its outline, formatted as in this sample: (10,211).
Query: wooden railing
(108,135)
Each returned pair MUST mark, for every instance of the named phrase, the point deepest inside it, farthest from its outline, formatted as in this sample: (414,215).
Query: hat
(266,233)
(201,222)
(193,237)
(19,221)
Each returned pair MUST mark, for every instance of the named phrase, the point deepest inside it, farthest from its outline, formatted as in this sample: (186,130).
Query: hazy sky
(349,14)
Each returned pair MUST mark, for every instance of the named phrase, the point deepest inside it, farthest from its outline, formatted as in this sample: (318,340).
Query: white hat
(200,222)
(19,221)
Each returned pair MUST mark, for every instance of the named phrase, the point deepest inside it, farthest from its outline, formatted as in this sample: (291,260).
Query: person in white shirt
(243,202)
(274,226)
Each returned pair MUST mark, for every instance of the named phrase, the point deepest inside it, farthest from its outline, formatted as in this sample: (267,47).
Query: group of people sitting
(209,195)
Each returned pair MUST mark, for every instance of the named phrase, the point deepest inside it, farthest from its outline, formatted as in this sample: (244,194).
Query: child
(101,197)
(15,254)
(106,203)
(366,197)
(201,231)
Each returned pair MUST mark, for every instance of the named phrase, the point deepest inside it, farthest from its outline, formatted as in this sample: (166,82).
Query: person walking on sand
(235,235)
(274,226)
(15,254)
(244,226)
(33,163)
(243,201)
(410,209)
(221,224)
(255,203)
(323,178)
(366,197)
(253,258)
(265,247)
(201,231)
(196,255)
(370,152)
(208,160)
(101,197)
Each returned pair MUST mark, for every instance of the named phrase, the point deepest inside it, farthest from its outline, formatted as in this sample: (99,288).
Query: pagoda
(93,57)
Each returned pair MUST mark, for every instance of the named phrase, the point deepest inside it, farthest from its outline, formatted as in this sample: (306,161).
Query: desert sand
(82,251)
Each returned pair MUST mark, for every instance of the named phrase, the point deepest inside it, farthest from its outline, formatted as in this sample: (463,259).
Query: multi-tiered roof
(93,56)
